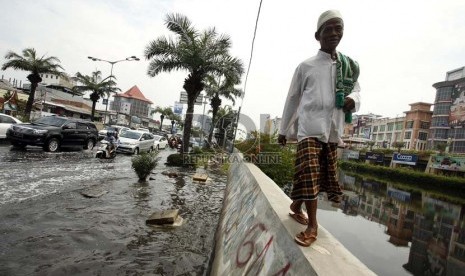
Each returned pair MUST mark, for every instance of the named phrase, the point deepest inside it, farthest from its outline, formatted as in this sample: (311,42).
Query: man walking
(323,94)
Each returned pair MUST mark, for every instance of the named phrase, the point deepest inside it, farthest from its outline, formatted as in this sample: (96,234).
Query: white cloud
(403,47)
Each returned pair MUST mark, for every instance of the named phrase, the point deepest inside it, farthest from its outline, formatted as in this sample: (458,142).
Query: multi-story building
(360,126)
(133,105)
(448,120)
(386,131)
(50,79)
(417,124)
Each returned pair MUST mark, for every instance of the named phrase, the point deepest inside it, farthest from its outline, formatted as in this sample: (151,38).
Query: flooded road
(49,228)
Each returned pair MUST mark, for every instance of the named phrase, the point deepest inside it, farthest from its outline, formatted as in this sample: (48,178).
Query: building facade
(387,131)
(50,79)
(417,124)
(132,105)
(448,120)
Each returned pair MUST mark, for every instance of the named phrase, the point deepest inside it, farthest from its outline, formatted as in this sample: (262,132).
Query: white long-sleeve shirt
(310,109)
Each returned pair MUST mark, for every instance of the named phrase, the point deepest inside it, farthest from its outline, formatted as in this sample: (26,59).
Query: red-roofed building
(132,103)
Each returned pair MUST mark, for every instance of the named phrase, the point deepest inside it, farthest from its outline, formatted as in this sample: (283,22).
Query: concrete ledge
(256,234)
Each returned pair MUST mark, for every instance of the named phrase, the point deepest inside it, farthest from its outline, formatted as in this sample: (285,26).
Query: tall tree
(216,88)
(165,112)
(29,61)
(199,53)
(98,87)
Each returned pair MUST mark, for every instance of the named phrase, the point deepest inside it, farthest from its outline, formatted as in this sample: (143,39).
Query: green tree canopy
(31,62)
(217,88)
(198,53)
(98,87)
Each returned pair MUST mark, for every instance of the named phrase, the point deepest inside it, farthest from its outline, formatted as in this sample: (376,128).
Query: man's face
(330,34)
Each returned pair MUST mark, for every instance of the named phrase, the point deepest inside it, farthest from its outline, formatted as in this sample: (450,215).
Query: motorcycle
(104,151)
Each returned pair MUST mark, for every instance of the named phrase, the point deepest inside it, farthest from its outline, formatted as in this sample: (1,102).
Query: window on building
(407,135)
(375,129)
(399,125)
(440,134)
(390,126)
(443,94)
(382,128)
(441,109)
(424,125)
(374,137)
(459,146)
(46,76)
(389,136)
(408,124)
(56,77)
(380,137)
(422,136)
(459,133)
(442,121)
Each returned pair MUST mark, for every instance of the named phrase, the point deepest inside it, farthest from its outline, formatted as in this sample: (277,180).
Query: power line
(253,42)
(247,74)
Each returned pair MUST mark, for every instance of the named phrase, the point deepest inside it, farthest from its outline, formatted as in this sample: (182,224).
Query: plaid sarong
(315,171)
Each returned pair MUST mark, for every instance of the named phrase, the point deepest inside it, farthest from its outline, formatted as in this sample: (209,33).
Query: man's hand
(349,104)
(282,139)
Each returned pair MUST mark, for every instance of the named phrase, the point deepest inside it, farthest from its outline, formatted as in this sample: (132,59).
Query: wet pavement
(49,228)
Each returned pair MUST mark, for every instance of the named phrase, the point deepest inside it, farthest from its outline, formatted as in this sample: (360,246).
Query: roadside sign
(183,98)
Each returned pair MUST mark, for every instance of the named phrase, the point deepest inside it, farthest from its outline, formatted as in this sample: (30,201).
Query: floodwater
(49,228)
(396,229)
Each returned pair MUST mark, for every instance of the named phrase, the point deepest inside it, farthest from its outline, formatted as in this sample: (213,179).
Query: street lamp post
(131,58)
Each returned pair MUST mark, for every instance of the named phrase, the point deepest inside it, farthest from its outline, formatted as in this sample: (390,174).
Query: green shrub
(143,165)
(275,161)
(420,179)
(175,160)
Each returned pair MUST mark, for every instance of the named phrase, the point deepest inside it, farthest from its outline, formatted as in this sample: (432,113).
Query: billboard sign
(408,159)
(376,157)
(449,162)
(183,98)
(177,109)
(350,154)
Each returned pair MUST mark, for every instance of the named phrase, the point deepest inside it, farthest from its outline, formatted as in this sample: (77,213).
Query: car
(135,141)
(143,129)
(160,142)
(114,128)
(5,122)
(54,132)
(194,142)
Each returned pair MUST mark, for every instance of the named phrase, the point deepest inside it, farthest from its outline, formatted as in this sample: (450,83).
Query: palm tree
(29,61)
(199,53)
(98,87)
(216,89)
(164,112)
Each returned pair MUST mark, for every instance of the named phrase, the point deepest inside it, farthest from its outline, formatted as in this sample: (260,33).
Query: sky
(403,47)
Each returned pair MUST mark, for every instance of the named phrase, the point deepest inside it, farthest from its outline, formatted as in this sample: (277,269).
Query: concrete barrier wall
(256,234)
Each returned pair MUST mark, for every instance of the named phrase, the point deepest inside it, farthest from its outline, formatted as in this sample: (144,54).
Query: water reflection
(431,225)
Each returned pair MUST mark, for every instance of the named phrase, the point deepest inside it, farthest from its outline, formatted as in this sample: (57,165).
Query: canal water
(397,230)
(48,227)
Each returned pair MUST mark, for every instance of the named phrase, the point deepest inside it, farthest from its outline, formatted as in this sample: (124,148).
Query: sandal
(304,239)
(299,217)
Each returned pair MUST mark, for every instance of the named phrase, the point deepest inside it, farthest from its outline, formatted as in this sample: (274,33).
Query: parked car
(118,129)
(135,141)
(54,132)
(160,142)
(5,122)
